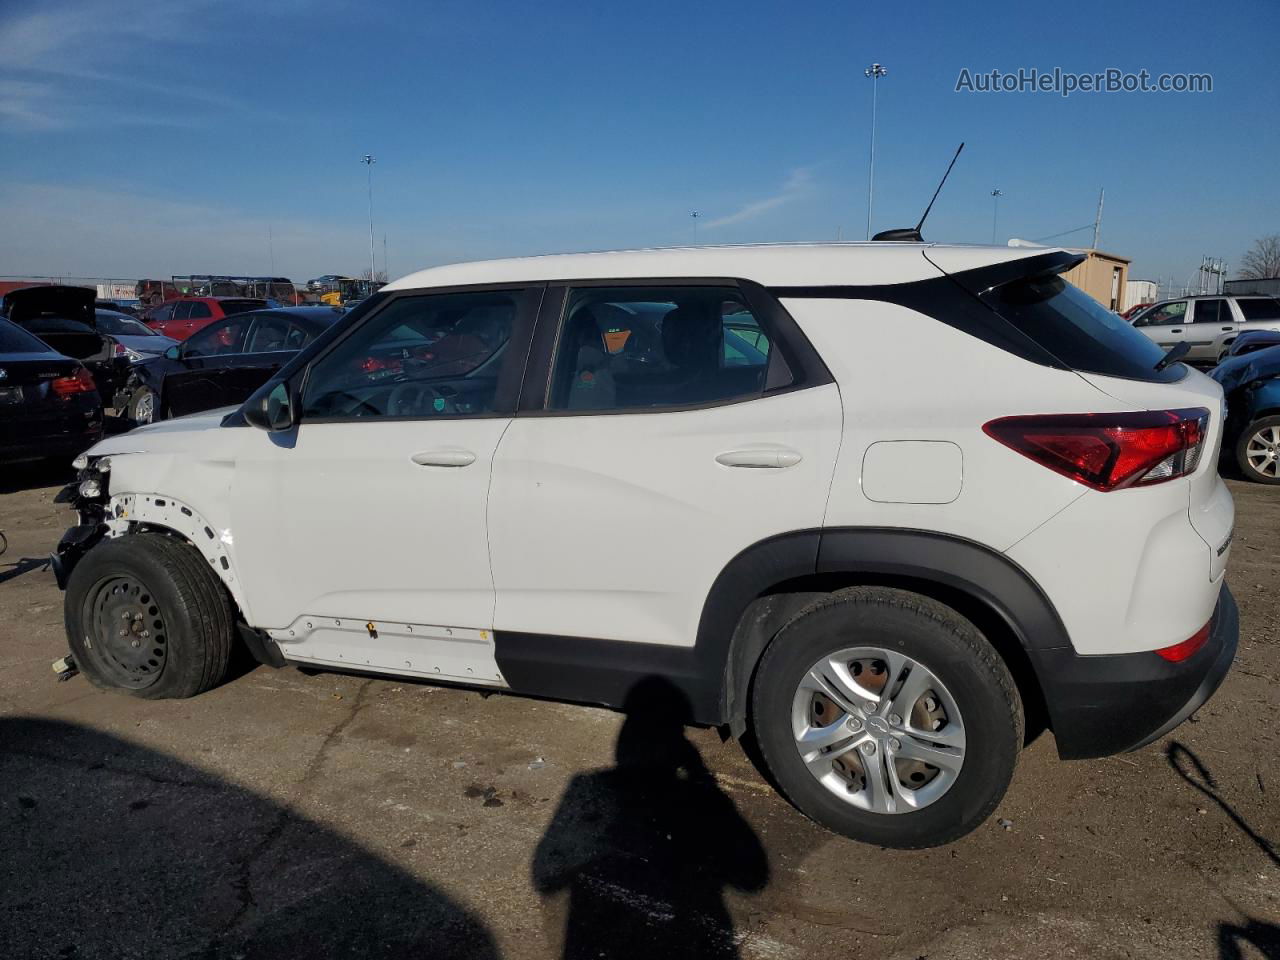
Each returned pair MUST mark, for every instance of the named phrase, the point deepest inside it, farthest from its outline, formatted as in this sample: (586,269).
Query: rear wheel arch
(985,587)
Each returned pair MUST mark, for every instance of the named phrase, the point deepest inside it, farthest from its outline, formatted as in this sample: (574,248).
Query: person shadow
(1232,937)
(112,849)
(637,857)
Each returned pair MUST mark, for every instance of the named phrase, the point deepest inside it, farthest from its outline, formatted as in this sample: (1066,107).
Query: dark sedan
(221,364)
(49,406)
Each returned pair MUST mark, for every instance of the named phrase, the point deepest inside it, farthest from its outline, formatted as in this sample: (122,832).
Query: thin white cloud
(797,183)
(62,63)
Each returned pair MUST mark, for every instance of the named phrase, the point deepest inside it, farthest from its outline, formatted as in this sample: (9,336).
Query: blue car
(1251,384)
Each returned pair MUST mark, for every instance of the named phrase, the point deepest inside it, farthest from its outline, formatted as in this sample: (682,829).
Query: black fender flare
(738,620)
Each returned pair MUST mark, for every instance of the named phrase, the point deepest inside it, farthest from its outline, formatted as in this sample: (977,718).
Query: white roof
(773,265)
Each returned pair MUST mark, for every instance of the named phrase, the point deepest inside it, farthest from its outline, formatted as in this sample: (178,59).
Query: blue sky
(152,137)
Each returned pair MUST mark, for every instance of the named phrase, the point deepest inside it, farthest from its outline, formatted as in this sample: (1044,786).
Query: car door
(1213,327)
(200,382)
(670,426)
(1165,323)
(271,340)
(360,534)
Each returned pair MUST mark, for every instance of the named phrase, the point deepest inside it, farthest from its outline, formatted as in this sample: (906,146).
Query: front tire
(146,616)
(887,717)
(142,406)
(1258,450)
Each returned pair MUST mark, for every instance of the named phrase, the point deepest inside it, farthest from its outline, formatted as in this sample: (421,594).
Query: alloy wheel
(878,729)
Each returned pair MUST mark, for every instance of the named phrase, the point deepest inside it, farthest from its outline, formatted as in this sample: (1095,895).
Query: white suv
(874,504)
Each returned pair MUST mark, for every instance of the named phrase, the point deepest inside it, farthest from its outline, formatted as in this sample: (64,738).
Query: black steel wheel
(145,615)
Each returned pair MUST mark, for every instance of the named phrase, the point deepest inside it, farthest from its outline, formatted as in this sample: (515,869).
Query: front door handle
(1176,330)
(444,458)
(1228,329)
(767,457)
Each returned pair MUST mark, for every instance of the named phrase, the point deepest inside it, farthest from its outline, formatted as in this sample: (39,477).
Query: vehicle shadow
(1263,935)
(109,849)
(11,571)
(29,474)
(638,856)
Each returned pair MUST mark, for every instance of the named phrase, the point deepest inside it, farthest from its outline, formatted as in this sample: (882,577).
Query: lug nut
(855,723)
(894,743)
(895,719)
(870,707)
(869,748)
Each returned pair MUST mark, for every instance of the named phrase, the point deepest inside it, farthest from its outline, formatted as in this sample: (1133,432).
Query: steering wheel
(409,399)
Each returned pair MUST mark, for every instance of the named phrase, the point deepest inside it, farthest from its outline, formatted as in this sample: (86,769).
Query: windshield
(119,325)
(1080,332)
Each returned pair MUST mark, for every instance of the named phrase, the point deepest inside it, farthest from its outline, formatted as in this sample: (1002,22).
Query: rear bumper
(1102,705)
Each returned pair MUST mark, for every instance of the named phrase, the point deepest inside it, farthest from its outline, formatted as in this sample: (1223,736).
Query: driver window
(1166,314)
(213,340)
(420,357)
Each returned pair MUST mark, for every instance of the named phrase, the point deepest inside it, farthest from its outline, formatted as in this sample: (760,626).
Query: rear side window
(1213,311)
(643,347)
(239,306)
(13,339)
(1263,308)
(200,311)
(1077,330)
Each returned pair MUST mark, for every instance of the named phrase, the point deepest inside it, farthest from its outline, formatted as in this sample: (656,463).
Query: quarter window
(428,356)
(1261,308)
(626,348)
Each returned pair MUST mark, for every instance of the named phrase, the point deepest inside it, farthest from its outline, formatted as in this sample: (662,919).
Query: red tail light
(1188,647)
(1109,451)
(78,382)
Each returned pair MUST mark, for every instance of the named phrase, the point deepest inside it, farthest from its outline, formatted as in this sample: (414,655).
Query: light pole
(874,72)
(694,217)
(369,160)
(995,213)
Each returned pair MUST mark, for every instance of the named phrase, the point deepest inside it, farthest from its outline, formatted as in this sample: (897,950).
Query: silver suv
(1209,324)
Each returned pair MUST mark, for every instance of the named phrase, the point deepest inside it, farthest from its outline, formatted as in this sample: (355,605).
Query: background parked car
(49,405)
(64,319)
(132,339)
(119,306)
(181,318)
(222,364)
(1251,384)
(1253,340)
(1209,324)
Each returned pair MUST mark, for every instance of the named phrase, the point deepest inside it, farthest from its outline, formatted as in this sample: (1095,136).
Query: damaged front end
(88,495)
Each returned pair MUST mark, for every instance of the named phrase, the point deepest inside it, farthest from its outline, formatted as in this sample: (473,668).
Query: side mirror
(274,412)
(173,353)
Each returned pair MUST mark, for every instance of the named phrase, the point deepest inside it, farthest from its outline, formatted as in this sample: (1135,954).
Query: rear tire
(1258,451)
(915,680)
(146,616)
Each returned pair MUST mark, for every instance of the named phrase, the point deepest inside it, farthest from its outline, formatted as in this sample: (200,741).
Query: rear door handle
(444,458)
(1176,330)
(1228,329)
(758,457)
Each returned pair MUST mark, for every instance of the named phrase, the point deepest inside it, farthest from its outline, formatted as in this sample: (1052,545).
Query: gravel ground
(292,814)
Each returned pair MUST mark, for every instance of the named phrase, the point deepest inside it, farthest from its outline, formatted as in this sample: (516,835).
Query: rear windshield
(1080,332)
(241,306)
(13,339)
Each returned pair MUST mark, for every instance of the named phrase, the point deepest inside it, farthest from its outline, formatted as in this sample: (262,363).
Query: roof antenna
(912,234)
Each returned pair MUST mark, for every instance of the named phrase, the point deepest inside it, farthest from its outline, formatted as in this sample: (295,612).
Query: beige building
(1103,276)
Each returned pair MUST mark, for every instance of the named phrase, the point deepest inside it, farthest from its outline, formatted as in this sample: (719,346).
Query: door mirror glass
(173,353)
(272,412)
